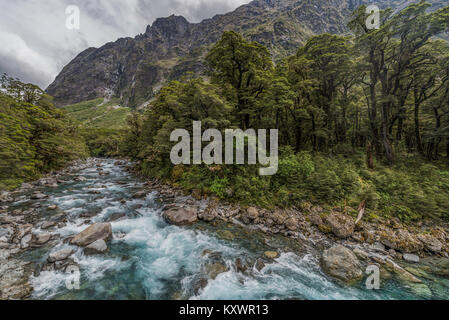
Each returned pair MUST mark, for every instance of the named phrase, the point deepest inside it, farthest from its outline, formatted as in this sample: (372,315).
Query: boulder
(379,247)
(215,269)
(96,247)
(140,194)
(401,240)
(341,263)
(362,255)
(226,234)
(341,225)
(42,238)
(259,264)
(95,232)
(271,254)
(208,215)
(240,266)
(38,196)
(279,217)
(403,274)
(25,241)
(181,216)
(291,224)
(431,243)
(53,207)
(60,255)
(252,213)
(315,219)
(23,230)
(116,216)
(48,225)
(4,232)
(410,257)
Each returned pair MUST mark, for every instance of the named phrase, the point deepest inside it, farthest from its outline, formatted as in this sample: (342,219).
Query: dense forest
(362,118)
(35,137)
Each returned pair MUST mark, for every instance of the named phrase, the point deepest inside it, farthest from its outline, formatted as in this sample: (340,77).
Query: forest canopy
(35,137)
(360,118)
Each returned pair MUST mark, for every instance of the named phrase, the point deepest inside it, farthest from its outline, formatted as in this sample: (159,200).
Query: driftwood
(361,211)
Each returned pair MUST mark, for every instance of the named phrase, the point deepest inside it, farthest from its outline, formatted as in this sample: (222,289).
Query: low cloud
(35,44)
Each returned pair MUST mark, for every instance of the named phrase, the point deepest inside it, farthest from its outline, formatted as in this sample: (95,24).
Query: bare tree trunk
(417,125)
(389,152)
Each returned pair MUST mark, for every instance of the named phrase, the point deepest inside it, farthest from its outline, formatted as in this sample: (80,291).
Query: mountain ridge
(134,69)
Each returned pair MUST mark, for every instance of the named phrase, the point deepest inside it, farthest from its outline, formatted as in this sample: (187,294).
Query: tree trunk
(417,128)
(388,148)
(298,136)
(447,151)
(369,156)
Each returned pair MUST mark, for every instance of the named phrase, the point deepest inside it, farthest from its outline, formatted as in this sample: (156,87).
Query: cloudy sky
(35,43)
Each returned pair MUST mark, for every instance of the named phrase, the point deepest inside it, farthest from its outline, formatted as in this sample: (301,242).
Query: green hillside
(98,114)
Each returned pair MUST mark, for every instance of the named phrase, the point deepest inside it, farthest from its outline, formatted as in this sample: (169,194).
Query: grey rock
(42,238)
(93,233)
(60,255)
(341,263)
(341,225)
(38,196)
(410,257)
(116,216)
(96,247)
(25,241)
(4,232)
(259,264)
(431,243)
(48,225)
(140,194)
(181,216)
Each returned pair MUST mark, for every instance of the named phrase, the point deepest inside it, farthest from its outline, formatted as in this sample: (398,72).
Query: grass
(95,114)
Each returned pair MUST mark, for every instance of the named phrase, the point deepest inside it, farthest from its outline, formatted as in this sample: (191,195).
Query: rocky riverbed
(132,239)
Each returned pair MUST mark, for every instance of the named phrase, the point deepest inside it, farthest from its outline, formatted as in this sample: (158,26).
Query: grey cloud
(35,45)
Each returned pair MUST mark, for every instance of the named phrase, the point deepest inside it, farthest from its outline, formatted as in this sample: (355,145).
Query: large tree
(390,53)
(244,69)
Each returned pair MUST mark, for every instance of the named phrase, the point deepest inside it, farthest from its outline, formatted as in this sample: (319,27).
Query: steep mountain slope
(133,69)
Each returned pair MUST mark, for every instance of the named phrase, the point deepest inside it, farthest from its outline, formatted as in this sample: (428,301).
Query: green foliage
(219,187)
(103,142)
(34,138)
(295,168)
(349,119)
(99,114)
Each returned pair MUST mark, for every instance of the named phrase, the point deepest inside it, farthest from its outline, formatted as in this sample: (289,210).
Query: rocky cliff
(133,69)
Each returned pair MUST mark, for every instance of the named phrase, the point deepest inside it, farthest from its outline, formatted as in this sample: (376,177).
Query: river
(150,259)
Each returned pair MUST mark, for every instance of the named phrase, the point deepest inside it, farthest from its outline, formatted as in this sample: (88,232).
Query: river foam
(149,259)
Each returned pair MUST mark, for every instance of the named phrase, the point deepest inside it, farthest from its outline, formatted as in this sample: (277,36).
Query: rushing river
(150,259)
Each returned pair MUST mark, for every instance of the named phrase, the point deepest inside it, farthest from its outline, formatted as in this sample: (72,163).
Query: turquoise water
(149,259)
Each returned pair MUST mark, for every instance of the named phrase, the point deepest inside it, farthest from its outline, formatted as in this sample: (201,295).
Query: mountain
(134,69)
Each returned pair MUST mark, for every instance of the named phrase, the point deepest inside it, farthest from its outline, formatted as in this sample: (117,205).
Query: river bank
(104,220)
